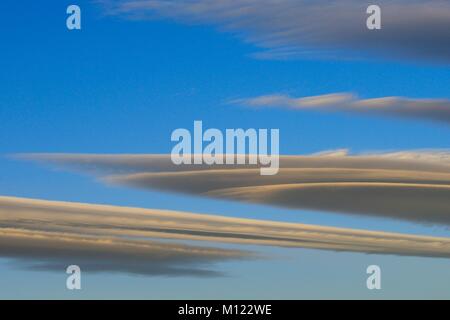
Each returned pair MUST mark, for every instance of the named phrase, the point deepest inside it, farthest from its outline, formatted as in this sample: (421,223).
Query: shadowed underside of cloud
(45,235)
(49,235)
(412,186)
(423,109)
(411,29)
(38,250)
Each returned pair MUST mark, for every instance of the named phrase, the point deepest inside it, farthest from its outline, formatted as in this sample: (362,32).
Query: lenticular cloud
(410,186)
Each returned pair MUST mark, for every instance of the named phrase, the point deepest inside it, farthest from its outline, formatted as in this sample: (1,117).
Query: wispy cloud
(322,28)
(49,235)
(412,186)
(422,109)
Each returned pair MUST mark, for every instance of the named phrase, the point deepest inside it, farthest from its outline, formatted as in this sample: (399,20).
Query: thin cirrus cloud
(410,186)
(419,109)
(50,235)
(417,29)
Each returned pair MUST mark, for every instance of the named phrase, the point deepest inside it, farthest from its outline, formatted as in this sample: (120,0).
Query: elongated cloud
(412,29)
(45,235)
(423,109)
(412,186)
(51,235)
(56,251)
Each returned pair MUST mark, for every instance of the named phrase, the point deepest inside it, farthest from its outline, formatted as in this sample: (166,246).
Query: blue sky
(122,86)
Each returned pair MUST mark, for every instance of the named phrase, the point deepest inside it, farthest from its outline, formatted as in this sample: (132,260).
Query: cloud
(411,186)
(56,251)
(46,235)
(411,29)
(423,109)
(49,235)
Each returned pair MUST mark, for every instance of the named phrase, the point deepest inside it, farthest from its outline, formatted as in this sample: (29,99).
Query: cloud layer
(46,235)
(411,186)
(423,109)
(49,235)
(55,251)
(411,29)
